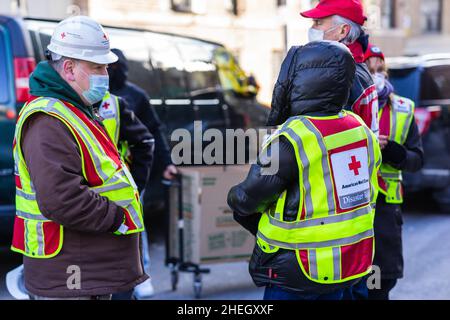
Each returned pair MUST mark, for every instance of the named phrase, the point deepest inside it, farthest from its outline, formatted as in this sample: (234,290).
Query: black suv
(426,80)
(187,79)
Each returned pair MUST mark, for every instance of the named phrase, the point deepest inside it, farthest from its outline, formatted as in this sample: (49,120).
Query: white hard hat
(82,38)
(15,284)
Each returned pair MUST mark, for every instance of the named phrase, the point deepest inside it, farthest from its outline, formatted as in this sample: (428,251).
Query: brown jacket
(108,263)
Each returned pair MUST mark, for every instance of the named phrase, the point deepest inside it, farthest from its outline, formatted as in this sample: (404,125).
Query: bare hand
(383,140)
(170,172)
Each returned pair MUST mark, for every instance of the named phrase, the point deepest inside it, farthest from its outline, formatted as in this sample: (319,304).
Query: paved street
(427,260)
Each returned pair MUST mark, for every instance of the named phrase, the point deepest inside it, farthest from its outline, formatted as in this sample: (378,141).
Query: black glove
(248,222)
(394,153)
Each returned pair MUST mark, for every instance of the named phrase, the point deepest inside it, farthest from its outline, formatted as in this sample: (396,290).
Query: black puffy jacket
(363,98)
(314,80)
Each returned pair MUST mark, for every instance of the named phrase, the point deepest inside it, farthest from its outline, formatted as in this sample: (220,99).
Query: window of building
(281,3)
(388,14)
(235,7)
(431,16)
(181,5)
(189,6)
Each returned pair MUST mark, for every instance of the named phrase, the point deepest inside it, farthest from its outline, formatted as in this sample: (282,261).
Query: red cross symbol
(104,36)
(106,105)
(401,101)
(63,35)
(355,166)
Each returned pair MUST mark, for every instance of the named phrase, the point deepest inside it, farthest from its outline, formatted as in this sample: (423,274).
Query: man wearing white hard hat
(78,215)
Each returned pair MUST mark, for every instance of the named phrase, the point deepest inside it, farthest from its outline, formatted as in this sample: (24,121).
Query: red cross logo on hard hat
(106,105)
(355,166)
(63,35)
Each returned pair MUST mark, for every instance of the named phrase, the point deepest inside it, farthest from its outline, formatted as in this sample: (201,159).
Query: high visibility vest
(35,235)
(110,112)
(395,121)
(338,158)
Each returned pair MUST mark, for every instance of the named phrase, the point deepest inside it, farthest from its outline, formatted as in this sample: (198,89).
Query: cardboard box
(210,234)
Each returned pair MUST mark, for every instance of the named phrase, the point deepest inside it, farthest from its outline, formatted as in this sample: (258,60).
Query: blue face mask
(98,86)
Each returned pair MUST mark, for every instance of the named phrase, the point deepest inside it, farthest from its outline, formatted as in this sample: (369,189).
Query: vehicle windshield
(232,77)
(200,71)
(406,82)
(424,85)
(436,83)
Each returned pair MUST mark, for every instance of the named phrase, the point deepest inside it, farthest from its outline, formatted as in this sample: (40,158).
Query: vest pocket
(37,239)
(356,259)
(336,264)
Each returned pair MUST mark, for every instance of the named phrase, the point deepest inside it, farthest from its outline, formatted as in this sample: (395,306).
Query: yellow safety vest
(396,117)
(338,158)
(35,235)
(110,112)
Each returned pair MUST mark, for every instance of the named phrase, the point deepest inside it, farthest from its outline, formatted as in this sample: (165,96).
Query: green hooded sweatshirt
(46,82)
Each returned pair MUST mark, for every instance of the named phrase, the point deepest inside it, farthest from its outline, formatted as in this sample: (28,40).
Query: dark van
(187,79)
(426,80)
(16,64)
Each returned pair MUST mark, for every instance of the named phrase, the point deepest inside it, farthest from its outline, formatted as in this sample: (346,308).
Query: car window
(45,34)
(4,77)
(436,83)
(167,61)
(201,72)
(140,69)
(406,82)
(38,51)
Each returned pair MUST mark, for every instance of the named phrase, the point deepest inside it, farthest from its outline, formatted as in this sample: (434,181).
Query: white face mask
(315,35)
(318,35)
(98,86)
(380,81)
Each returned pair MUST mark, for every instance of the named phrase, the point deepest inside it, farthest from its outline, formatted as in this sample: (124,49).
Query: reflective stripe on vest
(333,221)
(34,234)
(396,118)
(109,111)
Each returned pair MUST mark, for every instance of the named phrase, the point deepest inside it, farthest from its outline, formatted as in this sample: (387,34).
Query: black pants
(383,293)
(388,239)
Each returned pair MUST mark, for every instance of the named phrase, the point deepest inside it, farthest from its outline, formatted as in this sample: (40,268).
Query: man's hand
(170,172)
(383,140)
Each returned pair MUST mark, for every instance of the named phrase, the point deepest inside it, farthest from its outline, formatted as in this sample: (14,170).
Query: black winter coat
(139,102)
(314,80)
(388,217)
(140,141)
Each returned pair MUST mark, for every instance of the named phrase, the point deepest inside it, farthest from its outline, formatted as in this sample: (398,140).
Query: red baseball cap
(373,51)
(350,9)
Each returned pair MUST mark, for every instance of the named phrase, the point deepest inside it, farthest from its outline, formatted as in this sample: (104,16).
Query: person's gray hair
(355,29)
(57,62)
